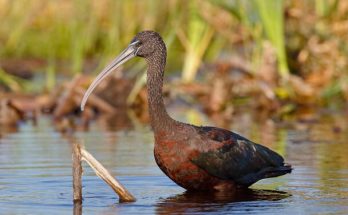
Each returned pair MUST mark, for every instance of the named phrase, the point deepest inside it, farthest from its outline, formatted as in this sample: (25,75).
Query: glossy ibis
(194,157)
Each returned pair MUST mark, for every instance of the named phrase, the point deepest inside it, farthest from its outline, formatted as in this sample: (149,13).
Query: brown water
(35,170)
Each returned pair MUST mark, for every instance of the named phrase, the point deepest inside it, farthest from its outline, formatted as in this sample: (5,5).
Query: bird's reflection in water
(77,209)
(199,202)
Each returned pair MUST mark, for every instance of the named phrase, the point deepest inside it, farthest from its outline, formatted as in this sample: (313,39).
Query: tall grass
(73,32)
(272,18)
(196,41)
(261,20)
(325,8)
(12,82)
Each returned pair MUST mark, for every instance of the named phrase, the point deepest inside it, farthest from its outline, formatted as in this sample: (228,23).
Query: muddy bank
(222,91)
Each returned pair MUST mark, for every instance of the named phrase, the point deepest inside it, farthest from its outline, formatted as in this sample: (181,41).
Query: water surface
(35,171)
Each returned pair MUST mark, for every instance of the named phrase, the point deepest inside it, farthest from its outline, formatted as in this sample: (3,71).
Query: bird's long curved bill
(127,54)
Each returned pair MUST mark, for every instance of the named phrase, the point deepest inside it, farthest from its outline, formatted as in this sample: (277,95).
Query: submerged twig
(77,208)
(79,153)
(77,172)
(104,174)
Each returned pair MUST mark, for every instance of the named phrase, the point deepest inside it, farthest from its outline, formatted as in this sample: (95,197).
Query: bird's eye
(135,41)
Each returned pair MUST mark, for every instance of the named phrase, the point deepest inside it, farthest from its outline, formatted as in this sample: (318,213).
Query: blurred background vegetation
(298,48)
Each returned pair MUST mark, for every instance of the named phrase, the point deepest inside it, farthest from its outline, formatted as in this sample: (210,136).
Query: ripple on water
(35,175)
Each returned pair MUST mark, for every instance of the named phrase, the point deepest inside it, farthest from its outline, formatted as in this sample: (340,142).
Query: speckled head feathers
(147,42)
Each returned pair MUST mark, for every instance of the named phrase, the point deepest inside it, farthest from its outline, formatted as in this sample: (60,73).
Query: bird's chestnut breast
(174,153)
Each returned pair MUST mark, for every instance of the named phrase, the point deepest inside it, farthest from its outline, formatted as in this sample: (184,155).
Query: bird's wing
(238,159)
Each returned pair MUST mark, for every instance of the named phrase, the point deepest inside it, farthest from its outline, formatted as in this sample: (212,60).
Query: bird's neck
(160,120)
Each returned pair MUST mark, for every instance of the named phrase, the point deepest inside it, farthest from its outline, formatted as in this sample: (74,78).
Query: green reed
(272,18)
(70,34)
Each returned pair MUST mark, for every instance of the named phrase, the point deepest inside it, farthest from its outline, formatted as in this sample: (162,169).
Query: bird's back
(204,157)
(238,158)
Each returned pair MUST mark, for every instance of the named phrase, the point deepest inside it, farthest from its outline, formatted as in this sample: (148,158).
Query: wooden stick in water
(77,208)
(104,174)
(77,172)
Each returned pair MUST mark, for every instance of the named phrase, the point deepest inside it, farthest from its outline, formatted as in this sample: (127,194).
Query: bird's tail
(265,173)
(275,171)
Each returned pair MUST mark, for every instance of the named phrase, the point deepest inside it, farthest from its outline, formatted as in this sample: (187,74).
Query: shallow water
(35,171)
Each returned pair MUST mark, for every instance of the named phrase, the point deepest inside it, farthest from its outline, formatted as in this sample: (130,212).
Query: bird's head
(144,44)
(147,43)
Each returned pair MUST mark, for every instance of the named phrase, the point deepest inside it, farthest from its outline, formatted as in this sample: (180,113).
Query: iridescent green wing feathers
(239,159)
